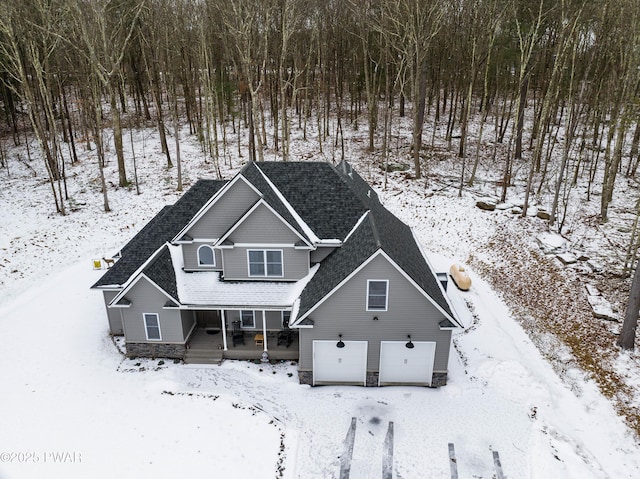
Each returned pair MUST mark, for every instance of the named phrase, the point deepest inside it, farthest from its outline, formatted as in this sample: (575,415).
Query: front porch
(206,346)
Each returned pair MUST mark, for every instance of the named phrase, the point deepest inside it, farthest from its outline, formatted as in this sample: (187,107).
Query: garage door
(339,365)
(401,365)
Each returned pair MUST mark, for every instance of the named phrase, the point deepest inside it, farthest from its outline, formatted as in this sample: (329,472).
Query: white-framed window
(247,319)
(265,263)
(377,294)
(286,317)
(152,326)
(206,256)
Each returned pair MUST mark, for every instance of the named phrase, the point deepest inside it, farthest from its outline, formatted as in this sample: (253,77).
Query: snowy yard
(68,389)
(73,406)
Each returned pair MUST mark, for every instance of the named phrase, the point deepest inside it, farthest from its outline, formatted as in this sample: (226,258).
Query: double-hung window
(265,263)
(377,294)
(247,319)
(152,326)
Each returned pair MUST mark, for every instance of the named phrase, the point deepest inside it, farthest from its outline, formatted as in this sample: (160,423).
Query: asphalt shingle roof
(338,265)
(380,230)
(162,228)
(161,272)
(330,200)
(253,175)
(319,195)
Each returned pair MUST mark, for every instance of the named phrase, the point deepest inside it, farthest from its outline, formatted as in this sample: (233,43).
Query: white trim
(193,327)
(264,245)
(386,295)
(197,240)
(339,285)
(213,200)
(223,319)
(135,281)
(264,331)
(243,218)
(305,227)
(217,307)
(265,263)
(360,268)
(135,277)
(355,227)
(191,241)
(118,305)
(213,252)
(253,314)
(330,242)
(146,326)
(415,285)
(442,290)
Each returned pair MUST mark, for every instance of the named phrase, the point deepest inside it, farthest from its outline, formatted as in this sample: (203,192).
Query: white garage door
(339,365)
(401,365)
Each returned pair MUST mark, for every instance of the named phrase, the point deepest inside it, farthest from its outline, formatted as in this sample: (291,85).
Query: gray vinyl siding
(320,254)
(188,320)
(263,226)
(295,263)
(225,212)
(190,256)
(232,315)
(274,320)
(409,312)
(114,315)
(146,298)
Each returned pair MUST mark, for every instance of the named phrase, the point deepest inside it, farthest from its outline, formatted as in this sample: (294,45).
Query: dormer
(262,245)
(222,211)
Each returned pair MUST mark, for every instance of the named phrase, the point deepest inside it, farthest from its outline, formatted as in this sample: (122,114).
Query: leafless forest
(547,90)
(569,68)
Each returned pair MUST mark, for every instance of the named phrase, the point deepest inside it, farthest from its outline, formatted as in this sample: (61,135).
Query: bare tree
(104,45)
(627,337)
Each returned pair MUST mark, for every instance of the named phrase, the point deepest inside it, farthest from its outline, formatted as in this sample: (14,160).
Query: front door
(209,320)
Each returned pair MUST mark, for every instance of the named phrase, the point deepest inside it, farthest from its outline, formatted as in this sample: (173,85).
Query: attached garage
(402,365)
(344,365)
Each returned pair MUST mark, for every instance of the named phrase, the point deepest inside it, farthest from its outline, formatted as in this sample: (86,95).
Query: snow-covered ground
(73,406)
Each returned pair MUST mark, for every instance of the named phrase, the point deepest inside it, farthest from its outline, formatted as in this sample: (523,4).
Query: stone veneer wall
(156,350)
(438,379)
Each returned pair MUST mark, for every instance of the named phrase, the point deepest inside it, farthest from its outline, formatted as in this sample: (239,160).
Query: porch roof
(206,288)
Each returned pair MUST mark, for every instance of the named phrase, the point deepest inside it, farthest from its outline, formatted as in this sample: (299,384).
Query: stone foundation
(305,377)
(372,379)
(438,379)
(156,350)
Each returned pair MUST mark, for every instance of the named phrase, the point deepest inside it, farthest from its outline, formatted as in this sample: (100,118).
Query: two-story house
(287,260)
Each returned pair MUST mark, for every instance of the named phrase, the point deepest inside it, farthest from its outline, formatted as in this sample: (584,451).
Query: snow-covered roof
(206,288)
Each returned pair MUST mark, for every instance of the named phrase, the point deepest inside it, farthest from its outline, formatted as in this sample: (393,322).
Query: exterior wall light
(409,344)
(375,318)
(340,343)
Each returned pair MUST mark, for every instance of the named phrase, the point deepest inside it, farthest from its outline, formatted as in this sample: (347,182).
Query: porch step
(203,356)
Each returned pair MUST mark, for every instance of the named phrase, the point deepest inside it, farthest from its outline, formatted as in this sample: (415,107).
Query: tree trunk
(522,101)
(420,96)
(627,337)
(117,133)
